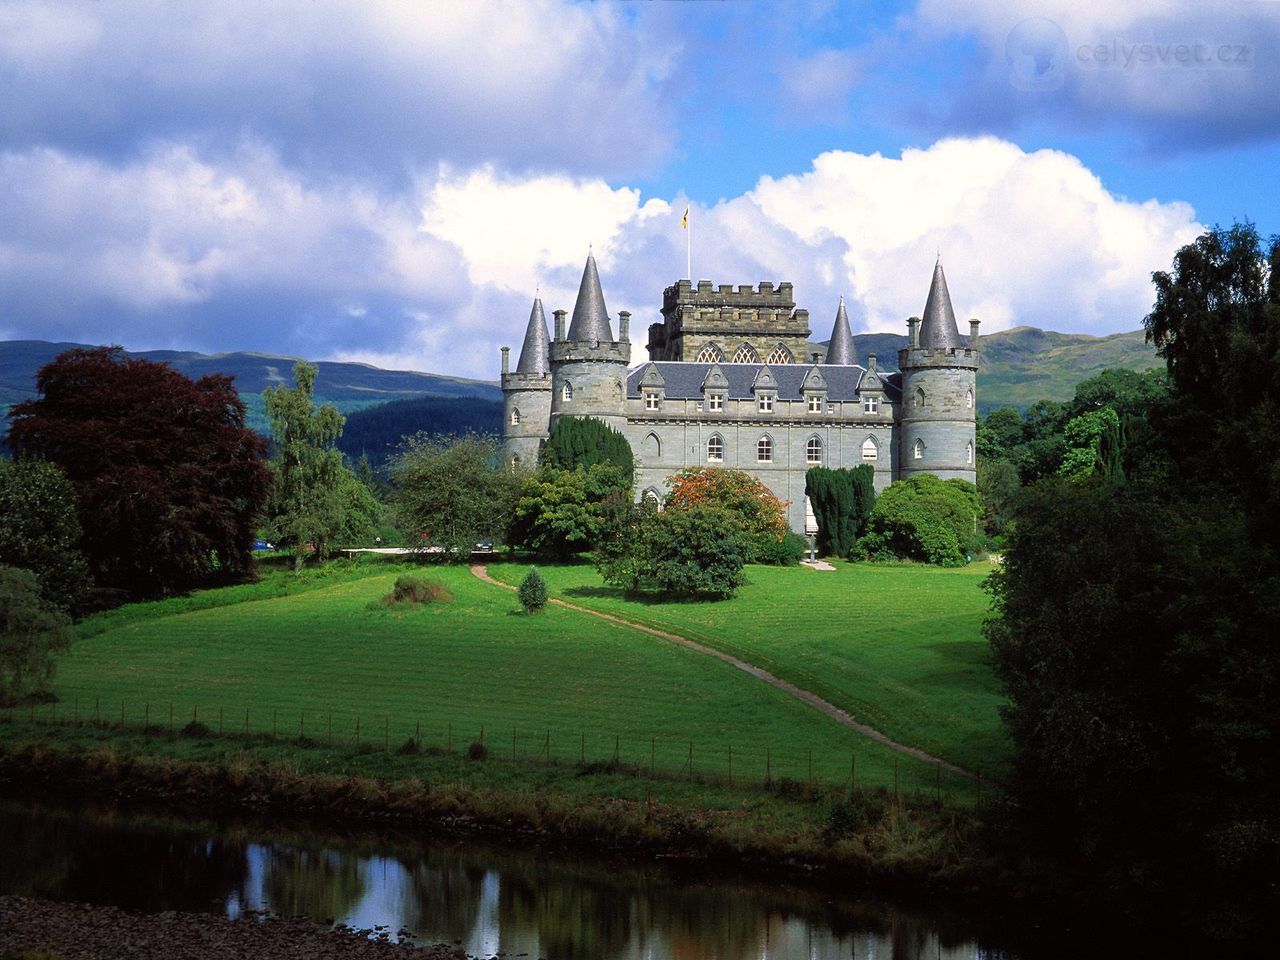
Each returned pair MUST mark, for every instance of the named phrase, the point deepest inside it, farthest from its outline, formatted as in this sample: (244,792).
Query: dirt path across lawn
(812,699)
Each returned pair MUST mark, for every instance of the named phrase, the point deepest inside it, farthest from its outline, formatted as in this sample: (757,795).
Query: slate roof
(590,317)
(535,355)
(840,349)
(938,328)
(683,381)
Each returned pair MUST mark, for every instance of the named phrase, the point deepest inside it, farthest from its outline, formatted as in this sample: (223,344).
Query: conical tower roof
(840,349)
(535,355)
(590,317)
(938,330)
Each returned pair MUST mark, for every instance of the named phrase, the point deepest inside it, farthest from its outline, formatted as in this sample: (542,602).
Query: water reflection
(490,902)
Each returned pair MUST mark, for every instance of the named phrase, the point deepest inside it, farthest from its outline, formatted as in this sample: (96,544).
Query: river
(489,901)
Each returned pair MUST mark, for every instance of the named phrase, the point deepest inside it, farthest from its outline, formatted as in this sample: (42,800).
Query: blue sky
(392,181)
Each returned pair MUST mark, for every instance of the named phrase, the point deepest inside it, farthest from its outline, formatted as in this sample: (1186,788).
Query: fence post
(194,714)
(768,767)
(937,783)
(220,710)
(417,731)
(653,756)
(811,766)
(386,734)
(617,743)
(302,726)
(482,733)
(547,752)
(246,722)
(513,743)
(331,728)
(895,781)
(731,764)
(449,744)
(357,731)
(146,715)
(582,756)
(95,710)
(275,715)
(122,714)
(691,760)
(853,771)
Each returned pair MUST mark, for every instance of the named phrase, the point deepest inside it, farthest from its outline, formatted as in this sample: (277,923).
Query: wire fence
(789,771)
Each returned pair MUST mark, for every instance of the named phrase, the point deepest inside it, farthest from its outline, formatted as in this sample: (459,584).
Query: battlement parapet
(617,351)
(770,296)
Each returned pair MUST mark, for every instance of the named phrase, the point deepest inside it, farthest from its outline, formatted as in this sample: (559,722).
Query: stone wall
(727,316)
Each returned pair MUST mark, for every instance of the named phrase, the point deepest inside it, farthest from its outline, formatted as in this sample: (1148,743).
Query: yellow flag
(684,221)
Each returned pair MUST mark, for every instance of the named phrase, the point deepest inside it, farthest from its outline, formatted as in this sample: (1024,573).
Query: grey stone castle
(731,382)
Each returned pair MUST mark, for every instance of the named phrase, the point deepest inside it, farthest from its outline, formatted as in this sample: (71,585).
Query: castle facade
(732,381)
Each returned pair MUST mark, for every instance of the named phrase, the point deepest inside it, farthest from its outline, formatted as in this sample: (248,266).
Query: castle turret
(939,401)
(589,367)
(526,394)
(840,349)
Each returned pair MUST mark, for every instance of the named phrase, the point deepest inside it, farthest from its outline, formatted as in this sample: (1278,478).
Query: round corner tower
(589,367)
(939,391)
(526,394)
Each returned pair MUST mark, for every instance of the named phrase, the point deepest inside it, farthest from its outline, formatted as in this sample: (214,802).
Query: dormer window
(715,402)
(651,400)
(815,403)
(764,403)
(870,404)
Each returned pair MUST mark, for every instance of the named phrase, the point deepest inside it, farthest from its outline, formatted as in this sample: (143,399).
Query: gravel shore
(77,931)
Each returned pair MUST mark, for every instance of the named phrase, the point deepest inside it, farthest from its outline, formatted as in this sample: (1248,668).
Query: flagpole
(688,250)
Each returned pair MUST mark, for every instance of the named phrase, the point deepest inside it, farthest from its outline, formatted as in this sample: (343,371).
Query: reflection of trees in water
(574,920)
(442,895)
(111,859)
(321,883)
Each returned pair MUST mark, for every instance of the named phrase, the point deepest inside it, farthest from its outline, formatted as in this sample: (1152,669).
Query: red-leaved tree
(168,478)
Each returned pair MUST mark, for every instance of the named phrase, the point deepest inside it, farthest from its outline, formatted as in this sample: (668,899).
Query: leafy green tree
(169,481)
(31,631)
(761,515)
(453,493)
(999,434)
(314,494)
(532,592)
(998,490)
(585,441)
(39,529)
(1083,437)
(923,518)
(560,512)
(1134,625)
(695,551)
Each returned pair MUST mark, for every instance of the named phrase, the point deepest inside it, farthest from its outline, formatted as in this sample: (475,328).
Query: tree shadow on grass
(648,599)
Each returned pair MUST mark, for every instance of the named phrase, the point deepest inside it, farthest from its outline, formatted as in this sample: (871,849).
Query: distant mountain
(1025,364)
(1019,367)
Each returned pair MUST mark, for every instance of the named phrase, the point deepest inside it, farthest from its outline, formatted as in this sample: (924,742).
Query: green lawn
(284,652)
(898,647)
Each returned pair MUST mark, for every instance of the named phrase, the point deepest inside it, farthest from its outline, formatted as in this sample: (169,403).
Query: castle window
(968,399)
(870,404)
(515,462)
(746,354)
(652,447)
(813,450)
(515,417)
(919,397)
(715,449)
(869,449)
(780,354)
(968,453)
(764,403)
(715,401)
(917,450)
(650,400)
(651,499)
(566,392)
(710,354)
(815,403)
(764,450)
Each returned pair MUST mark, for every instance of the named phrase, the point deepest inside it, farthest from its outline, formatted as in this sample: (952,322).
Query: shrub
(31,631)
(754,507)
(695,551)
(842,501)
(786,552)
(923,518)
(533,591)
(584,442)
(476,750)
(413,589)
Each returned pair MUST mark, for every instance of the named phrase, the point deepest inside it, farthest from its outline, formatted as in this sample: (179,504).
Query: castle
(728,384)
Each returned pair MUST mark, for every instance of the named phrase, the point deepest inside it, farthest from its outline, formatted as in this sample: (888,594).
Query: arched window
(515,462)
(651,499)
(919,397)
(764,450)
(968,453)
(566,392)
(746,354)
(869,449)
(813,450)
(515,416)
(968,399)
(652,446)
(780,354)
(711,353)
(715,448)
(917,450)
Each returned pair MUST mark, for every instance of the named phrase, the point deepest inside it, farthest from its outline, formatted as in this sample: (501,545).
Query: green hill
(1025,364)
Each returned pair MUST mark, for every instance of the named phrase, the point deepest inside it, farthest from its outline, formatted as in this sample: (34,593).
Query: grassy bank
(898,647)
(910,842)
(324,657)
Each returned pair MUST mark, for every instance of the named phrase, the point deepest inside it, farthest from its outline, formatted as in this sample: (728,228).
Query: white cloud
(176,249)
